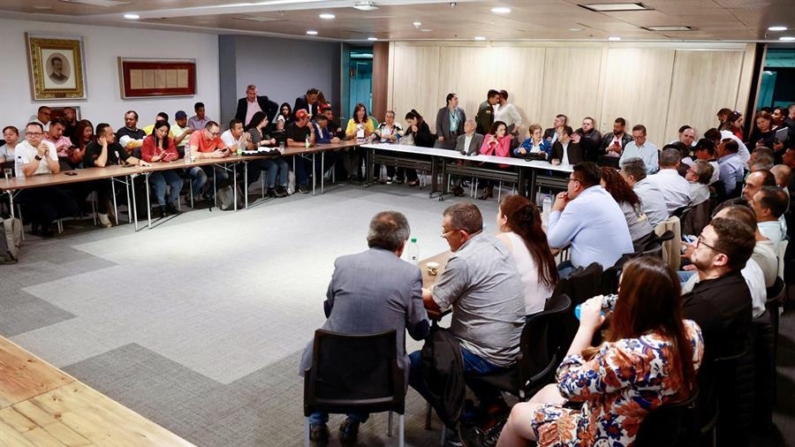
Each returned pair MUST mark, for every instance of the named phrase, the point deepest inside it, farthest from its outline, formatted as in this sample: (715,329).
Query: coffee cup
(432,268)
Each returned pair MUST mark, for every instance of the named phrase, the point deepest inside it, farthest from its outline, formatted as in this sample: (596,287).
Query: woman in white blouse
(519,222)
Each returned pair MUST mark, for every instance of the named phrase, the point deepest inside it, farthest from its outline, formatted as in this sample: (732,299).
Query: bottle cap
(414,239)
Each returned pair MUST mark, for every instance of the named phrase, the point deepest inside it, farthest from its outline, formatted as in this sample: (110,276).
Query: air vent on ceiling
(667,28)
(103,3)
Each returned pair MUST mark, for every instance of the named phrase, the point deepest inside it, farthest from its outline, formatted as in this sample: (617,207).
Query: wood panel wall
(380,78)
(659,85)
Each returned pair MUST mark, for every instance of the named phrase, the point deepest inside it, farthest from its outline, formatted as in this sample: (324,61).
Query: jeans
(273,167)
(198,180)
(303,169)
(159,180)
(685,275)
(321,417)
(473,365)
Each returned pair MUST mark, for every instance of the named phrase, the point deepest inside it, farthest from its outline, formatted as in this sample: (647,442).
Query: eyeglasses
(700,241)
(215,134)
(446,233)
(572,179)
(34,134)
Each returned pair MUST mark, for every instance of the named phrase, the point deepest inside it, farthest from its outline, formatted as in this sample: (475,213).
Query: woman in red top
(497,143)
(159,148)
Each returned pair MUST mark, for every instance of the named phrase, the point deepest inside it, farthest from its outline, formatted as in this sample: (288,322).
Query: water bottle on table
(546,208)
(413,252)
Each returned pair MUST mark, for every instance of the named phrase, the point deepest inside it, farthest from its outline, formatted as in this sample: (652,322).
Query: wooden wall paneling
(571,85)
(746,79)
(416,81)
(703,82)
(637,87)
(380,79)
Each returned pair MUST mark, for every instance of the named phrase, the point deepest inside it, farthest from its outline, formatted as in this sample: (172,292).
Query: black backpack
(443,371)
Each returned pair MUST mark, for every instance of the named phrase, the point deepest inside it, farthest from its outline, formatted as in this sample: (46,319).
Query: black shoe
(303,189)
(318,433)
(487,194)
(271,193)
(172,209)
(160,211)
(399,181)
(281,191)
(349,431)
(458,191)
(473,436)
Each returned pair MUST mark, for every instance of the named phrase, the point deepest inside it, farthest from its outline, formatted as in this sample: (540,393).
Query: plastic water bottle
(306,142)
(546,208)
(187,154)
(413,252)
(18,164)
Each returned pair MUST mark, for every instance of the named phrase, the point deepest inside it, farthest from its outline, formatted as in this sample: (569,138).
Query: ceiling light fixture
(312,32)
(615,7)
(372,39)
(132,16)
(501,10)
(365,6)
(576,30)
(327,16)
(667,28)
(480,38)
(426,30)
(614,38)
(787,39)
(417,24)
(777,28)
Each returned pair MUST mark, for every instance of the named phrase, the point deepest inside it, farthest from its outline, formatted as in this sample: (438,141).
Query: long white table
(540,172)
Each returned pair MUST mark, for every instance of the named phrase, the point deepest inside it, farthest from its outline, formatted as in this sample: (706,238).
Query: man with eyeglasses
(589,218)
(207,143)
(46,204)
(484,289)
(641,148)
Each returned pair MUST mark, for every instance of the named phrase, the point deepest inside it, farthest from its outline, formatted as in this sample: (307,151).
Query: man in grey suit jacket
(449,123)
(469,143)
(372,292)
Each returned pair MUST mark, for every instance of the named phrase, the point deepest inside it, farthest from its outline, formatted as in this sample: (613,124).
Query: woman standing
(628,201)
(159,148)
(273,166)
(417,133)
(359,128)
(614,378)
(497,143)
(449,123)
(520,229)
(284,116)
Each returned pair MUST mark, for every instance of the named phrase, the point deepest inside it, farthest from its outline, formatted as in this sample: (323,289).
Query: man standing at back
(589,218)
(485,116)
(307,103)
(484,289)
(372,292)
(253,103)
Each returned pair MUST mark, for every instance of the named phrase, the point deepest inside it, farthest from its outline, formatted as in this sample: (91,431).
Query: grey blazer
(371,292)
(443,124)
(474,145)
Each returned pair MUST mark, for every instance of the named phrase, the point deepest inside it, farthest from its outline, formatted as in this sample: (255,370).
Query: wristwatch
(38,157)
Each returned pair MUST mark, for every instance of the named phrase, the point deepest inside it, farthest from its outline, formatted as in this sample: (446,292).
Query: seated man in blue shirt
(589,218)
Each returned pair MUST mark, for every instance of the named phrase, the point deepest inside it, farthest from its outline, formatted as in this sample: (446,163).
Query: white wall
(103,45)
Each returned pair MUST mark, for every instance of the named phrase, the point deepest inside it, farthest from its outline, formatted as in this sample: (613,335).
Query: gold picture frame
(56,66)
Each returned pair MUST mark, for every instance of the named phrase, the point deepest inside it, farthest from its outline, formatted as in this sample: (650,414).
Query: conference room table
(446,162)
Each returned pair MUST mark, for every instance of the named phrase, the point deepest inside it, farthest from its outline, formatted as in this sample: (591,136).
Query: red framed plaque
(148,78)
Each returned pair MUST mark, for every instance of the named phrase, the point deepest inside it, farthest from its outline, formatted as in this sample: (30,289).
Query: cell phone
(70,173)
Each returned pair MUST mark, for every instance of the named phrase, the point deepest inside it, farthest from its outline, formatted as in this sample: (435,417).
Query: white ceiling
(714,20)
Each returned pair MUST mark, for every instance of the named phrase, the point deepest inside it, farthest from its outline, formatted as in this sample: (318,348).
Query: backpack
(443,372)
(226,198)
(10,239)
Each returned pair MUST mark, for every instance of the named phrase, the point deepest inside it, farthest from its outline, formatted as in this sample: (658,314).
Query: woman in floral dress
(649,358)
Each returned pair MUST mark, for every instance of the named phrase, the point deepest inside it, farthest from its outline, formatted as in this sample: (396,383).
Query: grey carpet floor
(199,323)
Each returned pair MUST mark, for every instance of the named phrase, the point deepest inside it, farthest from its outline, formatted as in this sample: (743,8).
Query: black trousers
(45,205)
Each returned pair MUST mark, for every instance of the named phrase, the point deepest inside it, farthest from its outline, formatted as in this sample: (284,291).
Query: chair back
(654,249)
(540,348)
(672,249)
(354,373)
(579,286)
(698,218)
(669,425)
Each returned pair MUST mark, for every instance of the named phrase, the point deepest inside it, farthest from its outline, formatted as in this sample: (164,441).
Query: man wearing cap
(181,131)
(252,103)
(298,132)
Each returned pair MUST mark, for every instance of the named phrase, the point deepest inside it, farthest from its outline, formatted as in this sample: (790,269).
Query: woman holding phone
(159,148)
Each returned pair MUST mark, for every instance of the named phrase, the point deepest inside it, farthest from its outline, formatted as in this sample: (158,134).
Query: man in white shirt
(508,114)
(234,137)
(640,148)
(38,156)
(699,175)
(651,198)
(687,135)
(769,204)
(589,218)
(674,188)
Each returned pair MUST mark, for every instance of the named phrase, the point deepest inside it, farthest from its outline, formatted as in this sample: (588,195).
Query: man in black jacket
(590,139)
(251,104)
(308,102)
(613,143)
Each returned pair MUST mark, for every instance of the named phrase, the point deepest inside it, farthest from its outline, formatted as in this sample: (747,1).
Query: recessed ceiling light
(326,16)
(426,30)
(480,38)
(575,30)
(777,28)
(417,24)
(132,16)
(667,28)
(312,32)
(372,39)
(787,39)
(615,7)
(614,38)
(501,10)
(365,6)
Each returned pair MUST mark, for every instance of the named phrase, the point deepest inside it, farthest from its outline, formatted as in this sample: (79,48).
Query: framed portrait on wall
(57,67)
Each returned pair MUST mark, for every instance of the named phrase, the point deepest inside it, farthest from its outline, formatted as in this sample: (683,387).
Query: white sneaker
(104,220)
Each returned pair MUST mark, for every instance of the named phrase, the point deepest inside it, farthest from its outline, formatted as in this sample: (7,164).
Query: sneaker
(349,430)
(389,180)
(451,439)
(399,181)
(104,220)
(318,433)
(281,191)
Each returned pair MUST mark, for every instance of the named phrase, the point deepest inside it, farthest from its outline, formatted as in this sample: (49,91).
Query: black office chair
(681,212)
(579,286)
(540,352)
(355,373)
(669,425)
(718,397)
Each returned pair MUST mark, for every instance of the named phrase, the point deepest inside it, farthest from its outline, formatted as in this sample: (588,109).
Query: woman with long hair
(498,143)
(614,380)
(628,201)
(519,222)
(359,127)
(84,134)
(284,116)
(159,148)
(417,133)
(273,166)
